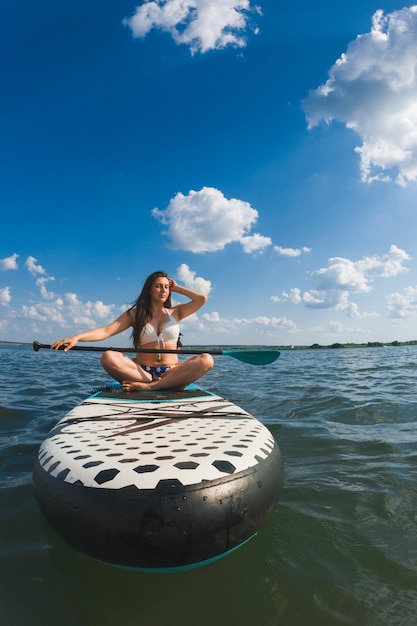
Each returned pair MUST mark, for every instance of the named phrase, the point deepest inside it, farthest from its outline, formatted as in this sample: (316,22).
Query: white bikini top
(170,332)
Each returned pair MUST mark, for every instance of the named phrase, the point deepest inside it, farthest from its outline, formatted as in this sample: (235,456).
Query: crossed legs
(133,377)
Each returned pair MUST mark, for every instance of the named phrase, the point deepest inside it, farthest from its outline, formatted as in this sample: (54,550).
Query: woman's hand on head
(172,284)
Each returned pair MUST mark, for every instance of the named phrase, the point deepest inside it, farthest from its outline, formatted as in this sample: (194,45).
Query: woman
(155,324)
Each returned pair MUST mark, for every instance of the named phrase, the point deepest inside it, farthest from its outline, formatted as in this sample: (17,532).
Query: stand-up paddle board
(158,481)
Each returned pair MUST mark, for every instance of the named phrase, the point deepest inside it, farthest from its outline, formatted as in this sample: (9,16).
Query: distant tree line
(370,344)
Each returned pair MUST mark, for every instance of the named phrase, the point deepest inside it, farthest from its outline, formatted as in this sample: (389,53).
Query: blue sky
(265,154)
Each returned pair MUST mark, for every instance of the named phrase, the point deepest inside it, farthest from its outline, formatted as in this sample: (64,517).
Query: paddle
(254,357)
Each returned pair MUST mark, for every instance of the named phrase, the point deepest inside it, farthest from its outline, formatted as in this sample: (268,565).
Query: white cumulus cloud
(9,263)
(33,268)
(356,276)
(32,312)
(291,252)
(206,221)
(200,24)
(372,89)
(41,282)
(343,277)
(269,326)
(255,243)
(5,296)
(401,305)
(69,312)
(86,314)
(192,281)
(294,296)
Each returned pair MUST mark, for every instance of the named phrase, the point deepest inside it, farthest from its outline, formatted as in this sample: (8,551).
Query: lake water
(340,548)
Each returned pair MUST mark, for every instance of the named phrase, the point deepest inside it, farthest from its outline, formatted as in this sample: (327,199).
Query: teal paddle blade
(254,357)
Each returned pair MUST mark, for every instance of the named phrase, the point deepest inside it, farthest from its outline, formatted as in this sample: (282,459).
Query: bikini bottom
(155,371)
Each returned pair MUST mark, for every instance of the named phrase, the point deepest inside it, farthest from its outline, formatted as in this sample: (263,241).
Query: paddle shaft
(253,357)
(37,346)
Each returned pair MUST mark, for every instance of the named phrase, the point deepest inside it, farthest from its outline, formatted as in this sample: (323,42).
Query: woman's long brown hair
(142,306)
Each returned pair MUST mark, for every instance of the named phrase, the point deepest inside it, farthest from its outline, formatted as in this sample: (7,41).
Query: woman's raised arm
(197,300)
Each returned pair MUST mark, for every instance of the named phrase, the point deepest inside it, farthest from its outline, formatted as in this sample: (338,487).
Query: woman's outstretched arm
(97,334)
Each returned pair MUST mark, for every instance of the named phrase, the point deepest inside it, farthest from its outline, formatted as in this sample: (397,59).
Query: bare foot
(130,385)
